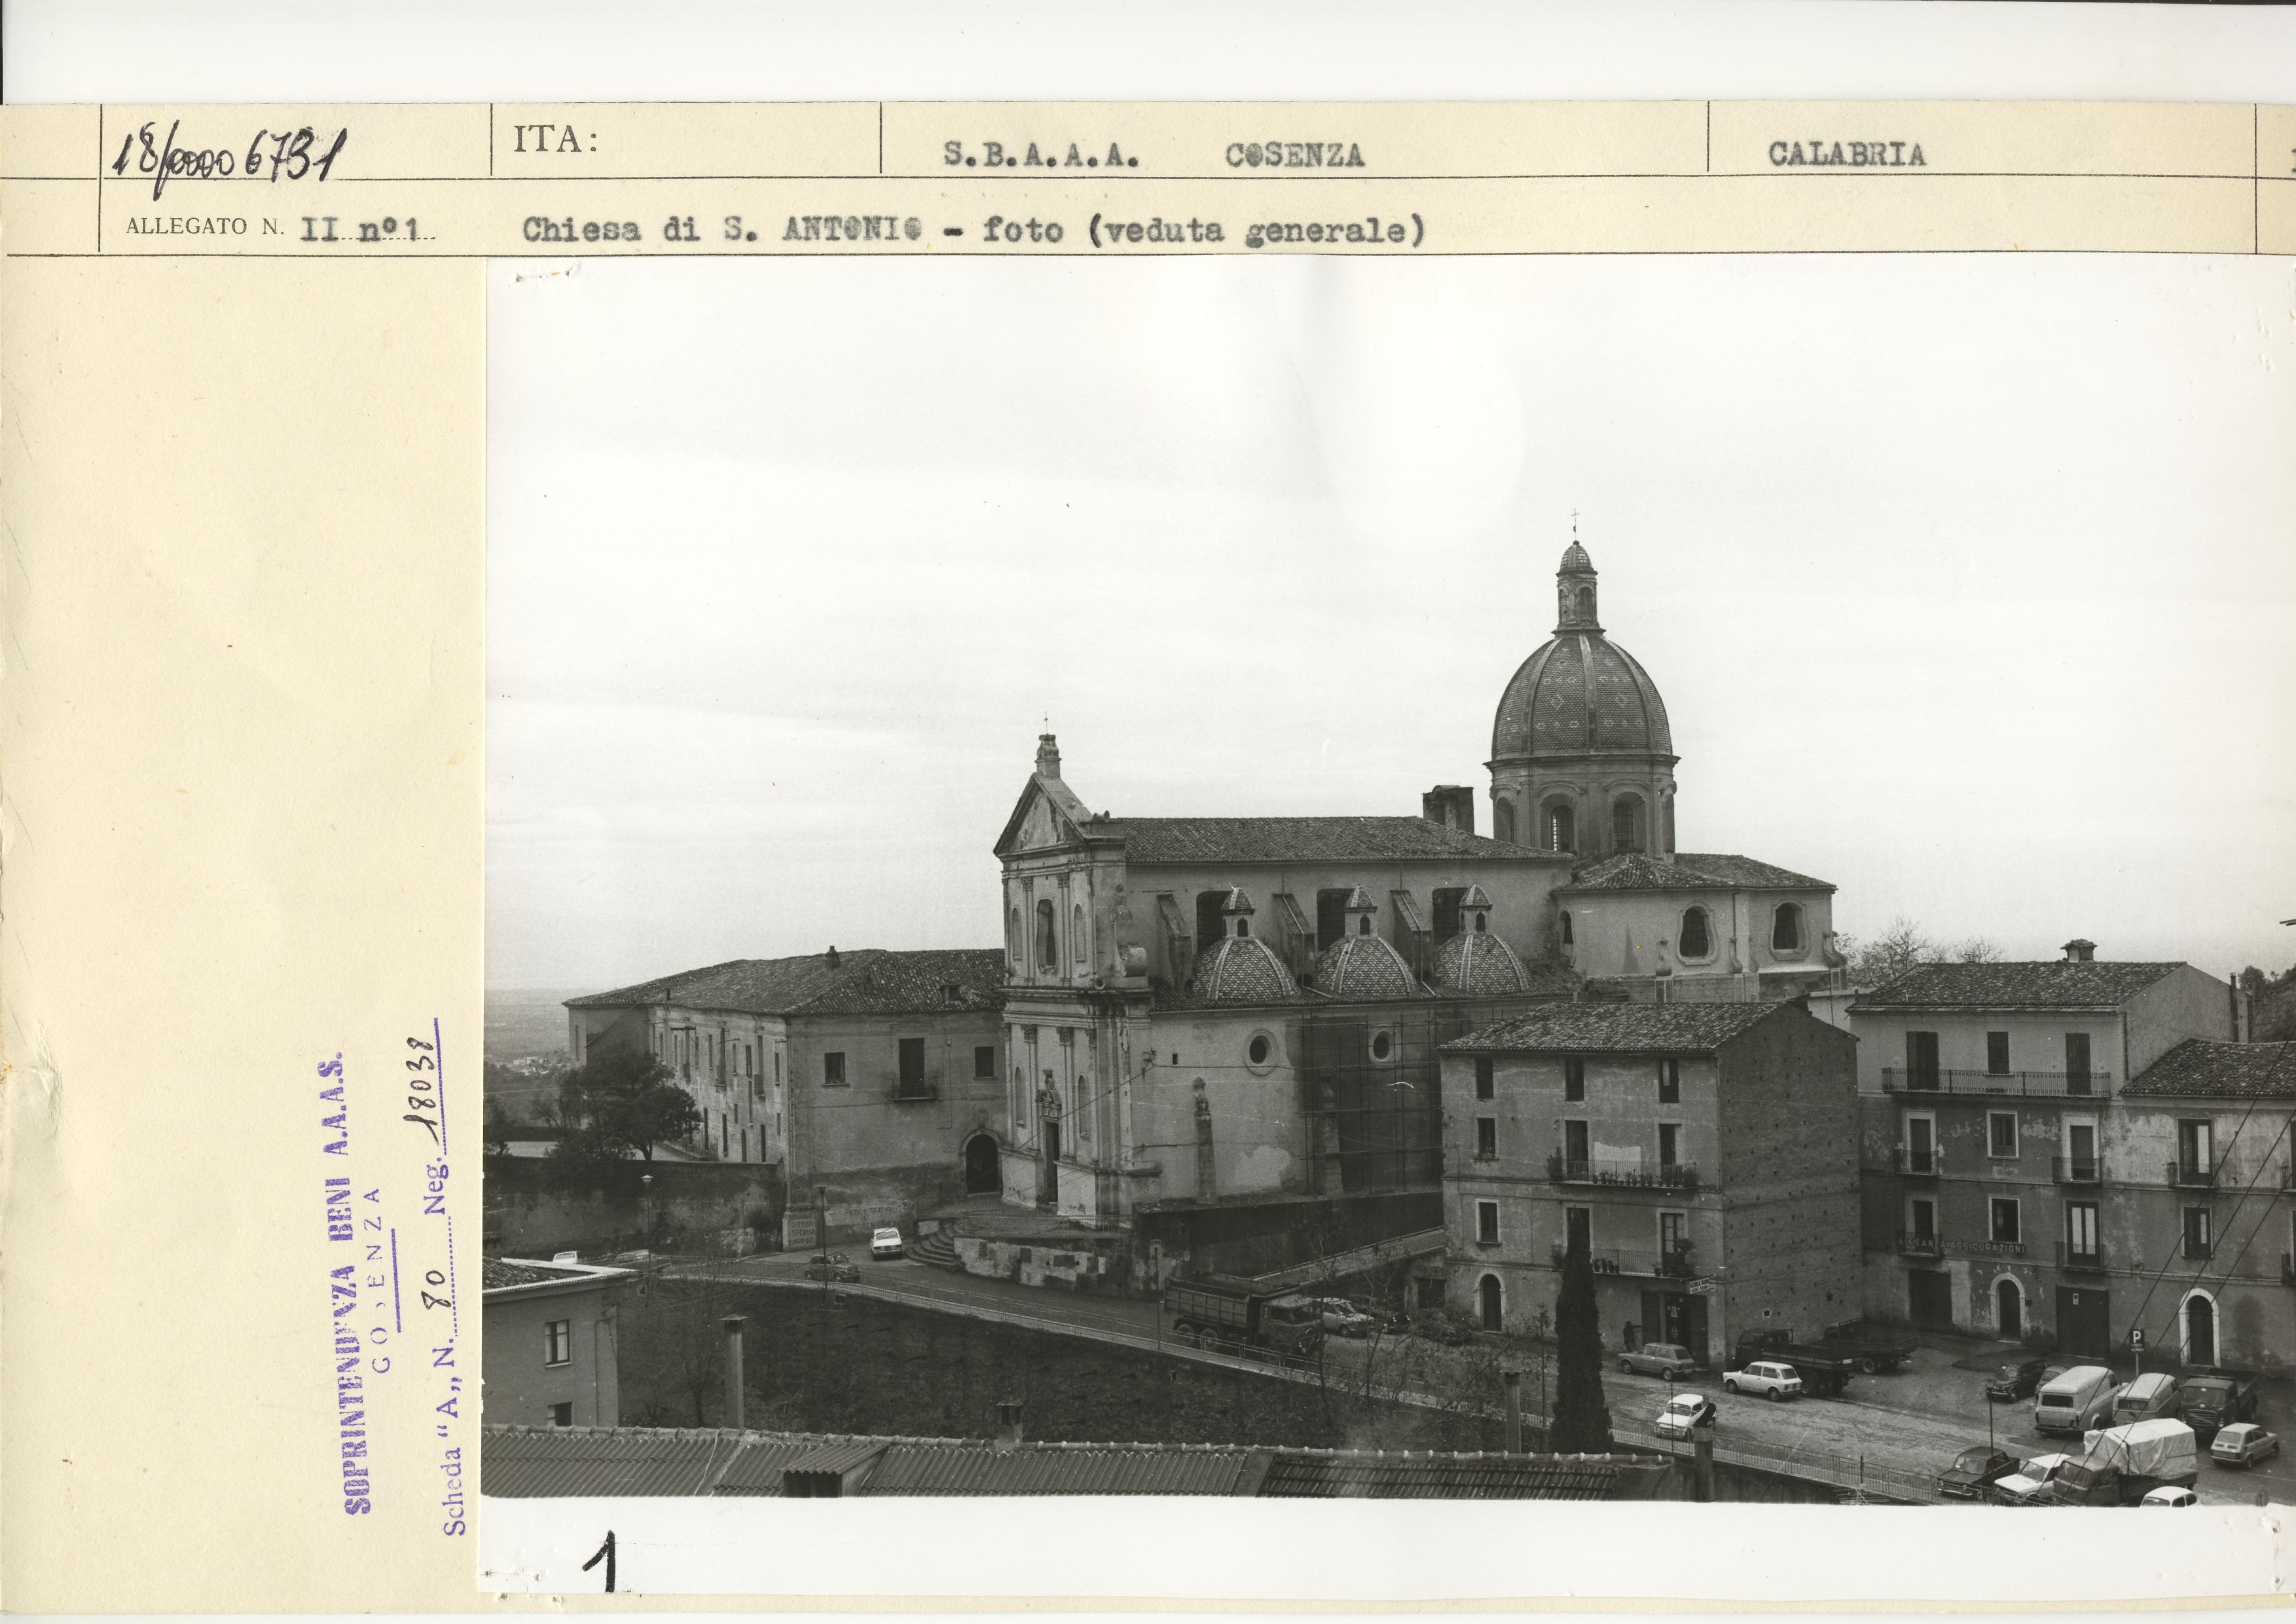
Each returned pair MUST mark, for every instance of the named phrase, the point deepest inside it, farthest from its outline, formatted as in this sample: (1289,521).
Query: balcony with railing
(1919,1164)
(2197,1176)
(2199,1249)
(1921,1245)
(1663,1263)
(2074,1169)
(1943,1084)
(1620,1174)
(2088,1260)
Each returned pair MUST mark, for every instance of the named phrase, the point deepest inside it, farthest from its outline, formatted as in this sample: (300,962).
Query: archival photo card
(1639,883)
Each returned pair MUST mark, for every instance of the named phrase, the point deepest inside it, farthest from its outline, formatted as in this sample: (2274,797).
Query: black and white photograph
(1559,879)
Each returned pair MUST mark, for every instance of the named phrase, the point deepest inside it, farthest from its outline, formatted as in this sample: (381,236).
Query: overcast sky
(1968,581)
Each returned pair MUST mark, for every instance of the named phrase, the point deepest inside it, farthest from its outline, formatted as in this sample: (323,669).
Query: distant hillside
(523,1022)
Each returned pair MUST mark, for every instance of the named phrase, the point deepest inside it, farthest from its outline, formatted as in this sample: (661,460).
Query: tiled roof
(865,980)
(521,1462)
(2200,1069)
(499,1273)
(1241,970)
(1479,963)
(1306,840)
(2039,984)
(1338,1474)
(1616,1029)
(1364,967)
(1686,871)
(1576,692)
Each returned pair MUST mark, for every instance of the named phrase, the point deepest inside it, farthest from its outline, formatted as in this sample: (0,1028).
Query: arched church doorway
(2200,1330)
(1487,1301)
(981,1173)
(2009,1310)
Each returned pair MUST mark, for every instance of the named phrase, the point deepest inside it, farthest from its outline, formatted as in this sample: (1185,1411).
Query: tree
(1582,1419)
(623,1101)
(1889,955)
(1974,950)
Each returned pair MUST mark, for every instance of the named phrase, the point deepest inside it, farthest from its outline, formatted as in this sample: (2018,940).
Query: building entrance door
(2084,1320)
(2009,1311)
(1929,1297)
(2200,1332)
(1048,1163)
(981,1174)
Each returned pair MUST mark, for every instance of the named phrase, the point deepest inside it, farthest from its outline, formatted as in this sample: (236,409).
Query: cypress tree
(1582,1420)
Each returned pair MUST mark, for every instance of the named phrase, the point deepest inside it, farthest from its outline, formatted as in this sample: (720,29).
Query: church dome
(1479,964)
(1580,692)
(1362,963)
(1241,970)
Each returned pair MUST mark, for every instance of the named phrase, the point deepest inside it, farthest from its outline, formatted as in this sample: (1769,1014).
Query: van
(2075,1401)
(2146,1397)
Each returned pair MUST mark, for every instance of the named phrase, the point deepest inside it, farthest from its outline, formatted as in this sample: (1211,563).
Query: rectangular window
(558,1342)
(913,1068)
(1997,1054)
(2081,1231)
(2001,1134)
(1921,1145)
(777,1065)
(1577,1225)
(1486,1223)
(1486,1082)
(1669,1145)
(1486,1137)
(2080,1149)
(2004,1219)
(1574,1146)
(2076,1072)
(1669,1082)
(984,1061)
(1574,1080)
(1921,1060)
(1924,1221)
(832,1069)
(562,1414)
(1673,1236)
(2196,1232)
(2194,1148)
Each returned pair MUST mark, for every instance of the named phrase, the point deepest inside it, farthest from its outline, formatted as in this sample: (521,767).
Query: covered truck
(2121,1465)
(1824,1370)
(1873,1348)
(1220,1311)
(2210,1400)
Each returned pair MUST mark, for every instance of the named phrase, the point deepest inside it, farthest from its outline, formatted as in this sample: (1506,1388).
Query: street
(1907,1425)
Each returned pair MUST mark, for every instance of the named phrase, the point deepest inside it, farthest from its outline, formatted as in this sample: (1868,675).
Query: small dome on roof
(1575,561)
(1479,963)
(1361,966)
(1241,970)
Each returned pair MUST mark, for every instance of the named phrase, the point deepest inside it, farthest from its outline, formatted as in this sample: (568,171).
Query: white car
(2243,1444)
(1683,1412)
(2170,1496)
(887,1243)
(1773,1380)
(2023,1487)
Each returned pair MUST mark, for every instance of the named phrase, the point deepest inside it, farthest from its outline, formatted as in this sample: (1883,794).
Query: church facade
(1203,1010)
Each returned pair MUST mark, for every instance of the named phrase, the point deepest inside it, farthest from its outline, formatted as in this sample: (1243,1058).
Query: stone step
(935,1250)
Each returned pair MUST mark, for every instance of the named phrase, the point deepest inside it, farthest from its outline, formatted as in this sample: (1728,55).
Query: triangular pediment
(1038,824)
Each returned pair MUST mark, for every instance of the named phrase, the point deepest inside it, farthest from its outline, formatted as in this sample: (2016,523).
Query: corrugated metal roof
(1321,1475)
(520,1463)
(1057,1469)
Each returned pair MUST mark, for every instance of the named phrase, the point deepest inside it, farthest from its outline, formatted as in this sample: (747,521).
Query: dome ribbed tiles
(1364,967)
(1241,970)
(1580,692)
(1479,963)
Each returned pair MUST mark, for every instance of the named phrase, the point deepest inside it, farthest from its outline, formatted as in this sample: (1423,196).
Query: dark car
(1975,1470)
(2019,1381)
(832,1266)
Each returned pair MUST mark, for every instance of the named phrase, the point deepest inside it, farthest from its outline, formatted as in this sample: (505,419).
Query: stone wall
(722,1206)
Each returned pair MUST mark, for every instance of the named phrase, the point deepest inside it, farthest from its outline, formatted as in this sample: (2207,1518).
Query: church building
(1207,1010)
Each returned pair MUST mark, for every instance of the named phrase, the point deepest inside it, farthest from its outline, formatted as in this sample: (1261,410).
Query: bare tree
(1889,955)
(1974,950)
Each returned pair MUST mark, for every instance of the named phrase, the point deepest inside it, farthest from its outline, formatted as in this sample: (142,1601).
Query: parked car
(1824,1371)
(1671,1361)
(1773,1382)
(2023,1485)
(2243,1444)
(832,1266)
(1874,1348)
(2074,1400)
(2150,1397)
(887,1243)
(1975,1470)
(1344,1319)
(2170,1496)
(2017,1381)
(1683,1412)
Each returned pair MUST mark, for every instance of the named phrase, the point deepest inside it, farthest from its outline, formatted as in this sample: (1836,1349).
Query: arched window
(1482,922)
(1626,823)
(1012,938)
(1242,925)
(1049,949)
(1566,927)
(1586,603)
(1489,1300)
(1363,925)
(1076,934)
(1562,827)
(1785,929)
(1503,821)
(1697,940)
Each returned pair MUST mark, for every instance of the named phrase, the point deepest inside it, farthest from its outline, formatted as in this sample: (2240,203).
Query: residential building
(1699,1152)
(874,1073)
(552,1353)
(2005,1189)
